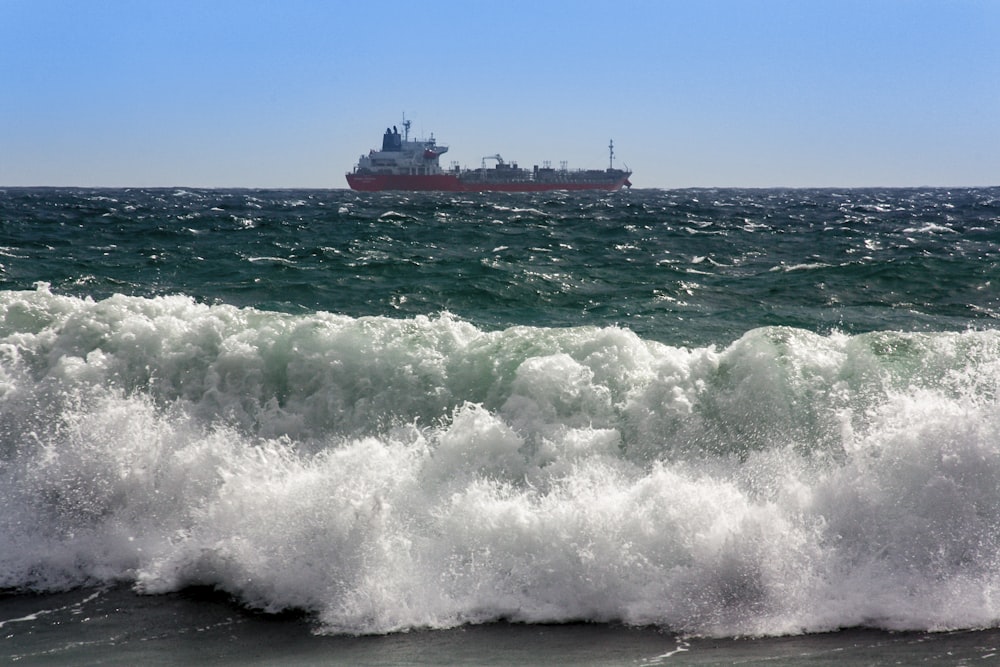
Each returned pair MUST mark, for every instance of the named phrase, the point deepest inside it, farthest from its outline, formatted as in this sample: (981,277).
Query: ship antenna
(611,154)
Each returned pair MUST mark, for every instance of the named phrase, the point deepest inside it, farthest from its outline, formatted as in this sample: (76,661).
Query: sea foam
(387,474)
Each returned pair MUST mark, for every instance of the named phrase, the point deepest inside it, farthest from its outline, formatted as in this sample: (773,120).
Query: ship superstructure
(402,164)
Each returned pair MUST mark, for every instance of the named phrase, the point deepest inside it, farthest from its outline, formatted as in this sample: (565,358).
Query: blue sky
(288,93)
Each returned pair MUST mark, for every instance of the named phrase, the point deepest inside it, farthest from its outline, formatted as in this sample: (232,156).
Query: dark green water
(682,267)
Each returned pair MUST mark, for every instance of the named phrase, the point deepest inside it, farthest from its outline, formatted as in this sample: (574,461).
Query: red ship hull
(451,183)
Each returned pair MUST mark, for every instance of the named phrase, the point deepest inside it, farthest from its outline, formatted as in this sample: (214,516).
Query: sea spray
(385,474)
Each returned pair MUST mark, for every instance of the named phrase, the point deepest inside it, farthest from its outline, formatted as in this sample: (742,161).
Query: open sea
(654,427)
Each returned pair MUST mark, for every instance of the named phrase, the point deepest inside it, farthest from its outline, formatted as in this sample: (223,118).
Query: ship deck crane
(500,162)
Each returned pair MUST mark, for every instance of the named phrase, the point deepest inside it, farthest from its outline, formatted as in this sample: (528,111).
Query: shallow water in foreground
(116,627)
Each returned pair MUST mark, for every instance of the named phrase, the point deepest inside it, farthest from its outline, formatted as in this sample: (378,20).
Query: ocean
(650,427)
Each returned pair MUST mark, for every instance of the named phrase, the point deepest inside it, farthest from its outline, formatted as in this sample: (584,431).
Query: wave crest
(389,474)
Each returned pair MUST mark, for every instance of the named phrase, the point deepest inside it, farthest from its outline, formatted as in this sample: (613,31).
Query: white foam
(390,474)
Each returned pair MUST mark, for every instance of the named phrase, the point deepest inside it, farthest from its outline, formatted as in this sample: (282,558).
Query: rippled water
(689,267)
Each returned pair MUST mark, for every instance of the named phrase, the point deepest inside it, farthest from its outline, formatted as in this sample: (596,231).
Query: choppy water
(721,413)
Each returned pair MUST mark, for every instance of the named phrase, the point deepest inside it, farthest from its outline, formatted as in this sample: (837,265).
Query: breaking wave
(386,474)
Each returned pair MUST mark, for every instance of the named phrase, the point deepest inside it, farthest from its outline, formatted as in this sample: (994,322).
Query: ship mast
(611,154)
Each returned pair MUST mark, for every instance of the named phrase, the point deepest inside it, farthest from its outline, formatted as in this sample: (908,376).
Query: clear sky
(288,93)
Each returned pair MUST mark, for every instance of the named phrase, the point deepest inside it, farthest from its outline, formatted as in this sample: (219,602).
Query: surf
(386,474)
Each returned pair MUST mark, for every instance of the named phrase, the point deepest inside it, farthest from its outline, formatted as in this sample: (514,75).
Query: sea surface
(651,427)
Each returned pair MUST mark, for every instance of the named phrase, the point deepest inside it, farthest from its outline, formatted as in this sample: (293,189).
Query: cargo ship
(408,165)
